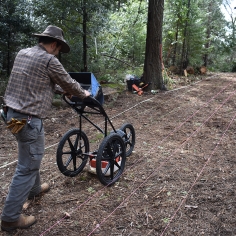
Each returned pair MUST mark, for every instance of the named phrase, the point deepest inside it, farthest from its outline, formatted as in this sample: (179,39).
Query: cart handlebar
(77,101)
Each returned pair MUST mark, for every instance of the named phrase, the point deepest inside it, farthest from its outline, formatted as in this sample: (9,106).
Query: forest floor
(179,180)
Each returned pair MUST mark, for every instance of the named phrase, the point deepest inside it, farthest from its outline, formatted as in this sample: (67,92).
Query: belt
(22,114)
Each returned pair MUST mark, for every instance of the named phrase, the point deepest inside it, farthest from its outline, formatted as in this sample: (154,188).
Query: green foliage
(116,34)
(15,24)
(206,37)
(121,42)
(126,34)
(118,87)
(168,82)
(3,84)
(72,18)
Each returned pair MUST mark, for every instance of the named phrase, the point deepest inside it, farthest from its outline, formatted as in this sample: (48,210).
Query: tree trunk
(85,69)
(184,54)
(153,59)
(8,53)
(175,46)
(208,35)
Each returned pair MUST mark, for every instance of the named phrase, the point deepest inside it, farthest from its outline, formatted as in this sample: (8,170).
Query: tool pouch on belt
(15,125)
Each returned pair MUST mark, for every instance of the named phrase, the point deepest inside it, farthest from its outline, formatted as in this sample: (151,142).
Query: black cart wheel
(70,158)
(110,160)
(129,137)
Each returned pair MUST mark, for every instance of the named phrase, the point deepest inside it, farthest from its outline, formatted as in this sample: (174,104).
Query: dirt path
(180,180)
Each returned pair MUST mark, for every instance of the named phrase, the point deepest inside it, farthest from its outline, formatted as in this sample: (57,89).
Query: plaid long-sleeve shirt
(33,79)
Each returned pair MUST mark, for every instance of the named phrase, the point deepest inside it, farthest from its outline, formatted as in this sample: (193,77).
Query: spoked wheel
(110,160)
(129,137)
(70,158)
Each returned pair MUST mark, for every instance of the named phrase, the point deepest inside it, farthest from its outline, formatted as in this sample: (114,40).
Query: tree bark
(184,54)
(208,35)
(153,55)
(8,53)
(85,69)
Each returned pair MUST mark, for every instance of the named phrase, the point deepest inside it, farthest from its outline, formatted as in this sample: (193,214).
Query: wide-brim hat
(56,33)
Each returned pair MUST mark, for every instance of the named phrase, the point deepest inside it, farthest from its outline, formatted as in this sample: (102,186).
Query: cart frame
(110,158)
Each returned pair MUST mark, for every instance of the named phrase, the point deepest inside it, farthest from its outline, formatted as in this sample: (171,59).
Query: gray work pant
(26,180)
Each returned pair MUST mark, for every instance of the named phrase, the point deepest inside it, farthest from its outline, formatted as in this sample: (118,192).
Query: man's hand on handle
(87,93)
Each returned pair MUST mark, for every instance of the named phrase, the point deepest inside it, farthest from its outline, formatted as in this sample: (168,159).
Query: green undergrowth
(118,87)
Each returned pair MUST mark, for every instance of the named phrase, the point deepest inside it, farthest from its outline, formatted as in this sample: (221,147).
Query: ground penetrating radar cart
(73,150)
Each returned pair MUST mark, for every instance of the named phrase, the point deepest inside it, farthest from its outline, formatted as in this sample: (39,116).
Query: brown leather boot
(22,223)
(44,189)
